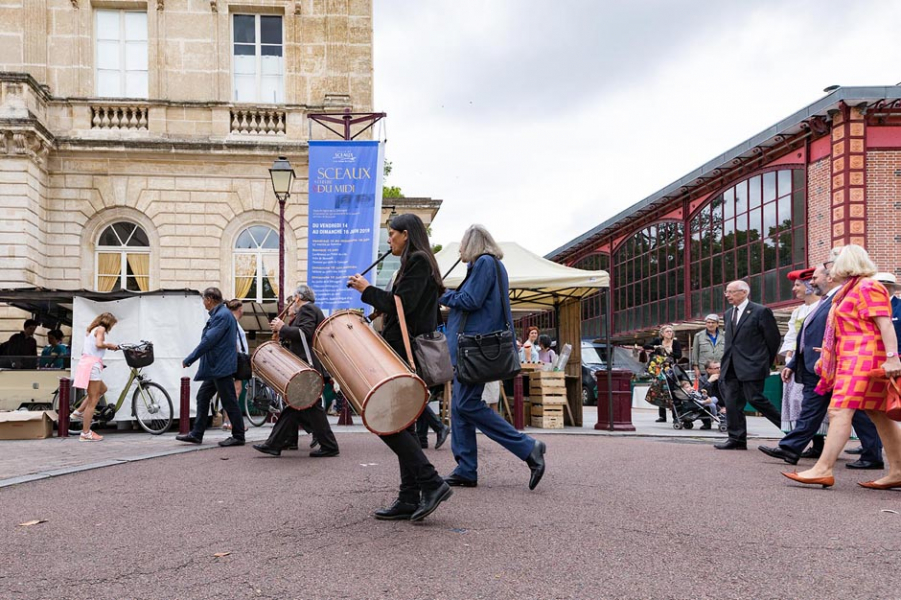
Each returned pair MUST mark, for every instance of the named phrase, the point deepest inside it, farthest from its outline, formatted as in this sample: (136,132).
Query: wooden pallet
(554,400)
(541,410)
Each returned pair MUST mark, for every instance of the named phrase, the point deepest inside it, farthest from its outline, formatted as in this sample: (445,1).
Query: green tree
(390,191)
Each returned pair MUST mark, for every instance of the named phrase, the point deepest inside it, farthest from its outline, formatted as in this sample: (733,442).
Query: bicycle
(260,401)
(151,405)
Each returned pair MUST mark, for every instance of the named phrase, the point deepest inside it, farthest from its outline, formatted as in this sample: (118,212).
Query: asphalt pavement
(615,516)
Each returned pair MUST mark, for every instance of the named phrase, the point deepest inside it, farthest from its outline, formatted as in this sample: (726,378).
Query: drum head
(304,389)
(394,404)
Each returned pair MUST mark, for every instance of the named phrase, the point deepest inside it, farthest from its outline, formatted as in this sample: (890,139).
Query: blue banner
(345,214)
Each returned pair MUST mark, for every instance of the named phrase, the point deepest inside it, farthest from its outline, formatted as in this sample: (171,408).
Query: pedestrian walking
(218,356)
(483,299)
(89,375)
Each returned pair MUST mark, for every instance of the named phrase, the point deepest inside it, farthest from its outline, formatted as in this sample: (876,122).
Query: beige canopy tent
(538,284)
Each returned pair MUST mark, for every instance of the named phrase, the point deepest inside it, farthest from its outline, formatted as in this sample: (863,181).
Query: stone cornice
(25,78)
(161,146)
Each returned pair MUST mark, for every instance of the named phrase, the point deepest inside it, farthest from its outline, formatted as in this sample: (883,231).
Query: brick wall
(819,225)
(884,209)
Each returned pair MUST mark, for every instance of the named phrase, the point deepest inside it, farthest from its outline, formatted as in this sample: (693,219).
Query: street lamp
(282,177)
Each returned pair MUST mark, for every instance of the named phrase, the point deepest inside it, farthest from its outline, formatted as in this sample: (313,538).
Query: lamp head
(282,177)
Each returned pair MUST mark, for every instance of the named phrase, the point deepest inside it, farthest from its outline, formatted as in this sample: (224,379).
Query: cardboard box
(27,425)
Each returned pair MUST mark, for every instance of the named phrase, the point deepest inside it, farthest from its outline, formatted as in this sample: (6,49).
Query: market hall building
(828,175)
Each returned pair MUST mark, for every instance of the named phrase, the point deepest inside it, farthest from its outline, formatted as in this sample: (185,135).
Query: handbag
(484,357)
(433,362)
(892,395)
(245,371)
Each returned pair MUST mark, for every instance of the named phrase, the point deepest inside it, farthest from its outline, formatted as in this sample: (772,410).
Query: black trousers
(416,472)
(313,420)
(738,393)
(428,419)
(225,386)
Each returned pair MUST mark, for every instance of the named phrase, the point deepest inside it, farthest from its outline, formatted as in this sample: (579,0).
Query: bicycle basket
(139,356)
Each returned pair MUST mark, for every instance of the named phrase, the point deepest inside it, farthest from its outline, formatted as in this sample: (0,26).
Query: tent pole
(609,362)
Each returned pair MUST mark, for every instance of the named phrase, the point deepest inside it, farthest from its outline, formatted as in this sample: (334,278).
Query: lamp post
(282,176)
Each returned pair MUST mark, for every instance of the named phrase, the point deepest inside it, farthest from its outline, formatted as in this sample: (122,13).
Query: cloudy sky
(540,119)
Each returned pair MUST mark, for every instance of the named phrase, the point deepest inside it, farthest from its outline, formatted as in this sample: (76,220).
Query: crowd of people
(20,351)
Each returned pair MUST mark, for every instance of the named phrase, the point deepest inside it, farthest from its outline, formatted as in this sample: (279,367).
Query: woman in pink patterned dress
(858,331)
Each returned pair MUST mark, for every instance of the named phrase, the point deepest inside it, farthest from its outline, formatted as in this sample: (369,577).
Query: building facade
(136,137)
(826,176)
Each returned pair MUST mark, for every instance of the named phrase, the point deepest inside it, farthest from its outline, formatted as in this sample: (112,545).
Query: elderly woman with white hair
(483,301)
(859,339)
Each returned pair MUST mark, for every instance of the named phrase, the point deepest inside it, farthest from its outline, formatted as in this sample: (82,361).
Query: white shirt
(89,348)
(741,310)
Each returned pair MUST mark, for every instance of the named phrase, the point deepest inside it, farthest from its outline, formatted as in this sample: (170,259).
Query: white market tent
(538,284)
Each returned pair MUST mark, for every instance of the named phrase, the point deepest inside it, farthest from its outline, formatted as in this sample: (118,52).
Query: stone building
(826,176)
(136,137)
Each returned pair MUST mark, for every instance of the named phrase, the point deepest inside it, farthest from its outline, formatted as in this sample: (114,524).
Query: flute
(378,260)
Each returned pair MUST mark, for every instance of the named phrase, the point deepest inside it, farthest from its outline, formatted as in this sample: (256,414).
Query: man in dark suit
(752,341)
(313,419)
(814,406)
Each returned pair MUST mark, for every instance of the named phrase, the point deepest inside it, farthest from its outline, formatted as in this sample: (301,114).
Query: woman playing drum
(418,284)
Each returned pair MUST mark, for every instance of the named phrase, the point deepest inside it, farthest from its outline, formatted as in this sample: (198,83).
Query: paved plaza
(628,516)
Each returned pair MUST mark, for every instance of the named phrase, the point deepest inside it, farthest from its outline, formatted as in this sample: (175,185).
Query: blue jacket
(217,351)
(487,303)
(814,330)
(896,320)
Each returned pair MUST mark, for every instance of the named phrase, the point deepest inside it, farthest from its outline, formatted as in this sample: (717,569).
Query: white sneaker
(90,437)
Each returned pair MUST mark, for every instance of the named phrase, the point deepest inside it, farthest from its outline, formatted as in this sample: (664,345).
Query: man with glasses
(708,345)
(752,341)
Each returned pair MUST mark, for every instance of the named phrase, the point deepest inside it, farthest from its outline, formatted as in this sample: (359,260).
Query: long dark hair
(417,241)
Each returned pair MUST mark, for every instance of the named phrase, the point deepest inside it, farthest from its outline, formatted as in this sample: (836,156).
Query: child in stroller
(689,405)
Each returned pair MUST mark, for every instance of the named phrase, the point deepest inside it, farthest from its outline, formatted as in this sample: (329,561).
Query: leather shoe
(291,446)
(536,464)
(823,481)
(780,452)
(231,441)
(456,481)
(424,444)
(706,426)
(661,420)
(866,464)
(811,453)
(430,501)
(314,442)
(320,453)
(731,445)
(399,511)
(442,436)
(872,485)
(267,449)
(858,450)
(189,438)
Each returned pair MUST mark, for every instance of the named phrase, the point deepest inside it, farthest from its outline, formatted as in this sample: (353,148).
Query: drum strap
(403,330)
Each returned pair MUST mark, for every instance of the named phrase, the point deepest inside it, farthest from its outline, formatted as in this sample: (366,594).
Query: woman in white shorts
(89,375)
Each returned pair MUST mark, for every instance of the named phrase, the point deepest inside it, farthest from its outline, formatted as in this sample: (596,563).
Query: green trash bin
(772,389)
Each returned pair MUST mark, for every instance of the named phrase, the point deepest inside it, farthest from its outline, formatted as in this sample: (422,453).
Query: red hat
(802,274)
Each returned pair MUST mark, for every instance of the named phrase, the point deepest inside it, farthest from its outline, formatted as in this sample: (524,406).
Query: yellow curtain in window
(245,271)
(270,269)
(140,266)
(109,269)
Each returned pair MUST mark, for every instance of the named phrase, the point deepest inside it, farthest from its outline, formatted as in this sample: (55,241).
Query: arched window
(123,259)
(255,264)
(753,230)
(649,284)
(594,307)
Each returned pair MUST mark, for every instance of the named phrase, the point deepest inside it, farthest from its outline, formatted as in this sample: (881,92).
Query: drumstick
(378,260)
(454,266)
(282,314)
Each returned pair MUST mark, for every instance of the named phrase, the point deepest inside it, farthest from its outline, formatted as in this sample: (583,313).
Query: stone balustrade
(258,121)
(115,116)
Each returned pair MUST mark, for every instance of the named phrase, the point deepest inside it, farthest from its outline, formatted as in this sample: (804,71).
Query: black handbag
(245,371)
(484,357)
(432,357)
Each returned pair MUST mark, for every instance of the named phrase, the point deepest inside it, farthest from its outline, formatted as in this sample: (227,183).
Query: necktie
(734,317)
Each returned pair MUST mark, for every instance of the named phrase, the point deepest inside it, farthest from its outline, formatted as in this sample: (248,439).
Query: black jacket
(752,346)
(418,291)
(305,323)
(677,347)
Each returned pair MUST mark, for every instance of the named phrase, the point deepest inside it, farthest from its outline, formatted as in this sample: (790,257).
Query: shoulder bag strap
(306,348)
(241,342)
(403,330)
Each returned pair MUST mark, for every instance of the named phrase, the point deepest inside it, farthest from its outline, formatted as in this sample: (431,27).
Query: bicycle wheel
(152,407)
(257,403)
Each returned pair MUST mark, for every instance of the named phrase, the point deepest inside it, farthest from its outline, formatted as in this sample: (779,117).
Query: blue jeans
(468,412)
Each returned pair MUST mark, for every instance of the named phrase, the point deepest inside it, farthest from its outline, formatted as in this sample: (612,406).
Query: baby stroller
(688,405)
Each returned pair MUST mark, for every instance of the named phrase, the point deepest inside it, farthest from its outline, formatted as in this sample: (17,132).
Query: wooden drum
(298,383)
(379,385)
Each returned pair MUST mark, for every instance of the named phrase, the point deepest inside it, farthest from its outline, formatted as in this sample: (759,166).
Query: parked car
(594,359)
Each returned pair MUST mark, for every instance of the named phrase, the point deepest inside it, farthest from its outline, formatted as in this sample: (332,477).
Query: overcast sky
(540,119)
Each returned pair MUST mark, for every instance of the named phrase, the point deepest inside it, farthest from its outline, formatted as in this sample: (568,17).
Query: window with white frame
(121,53)
(258,63)
(255,264)
(122,259)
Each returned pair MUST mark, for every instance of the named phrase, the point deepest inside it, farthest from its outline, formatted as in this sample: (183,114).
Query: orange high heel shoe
(872,485)
(823,481)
